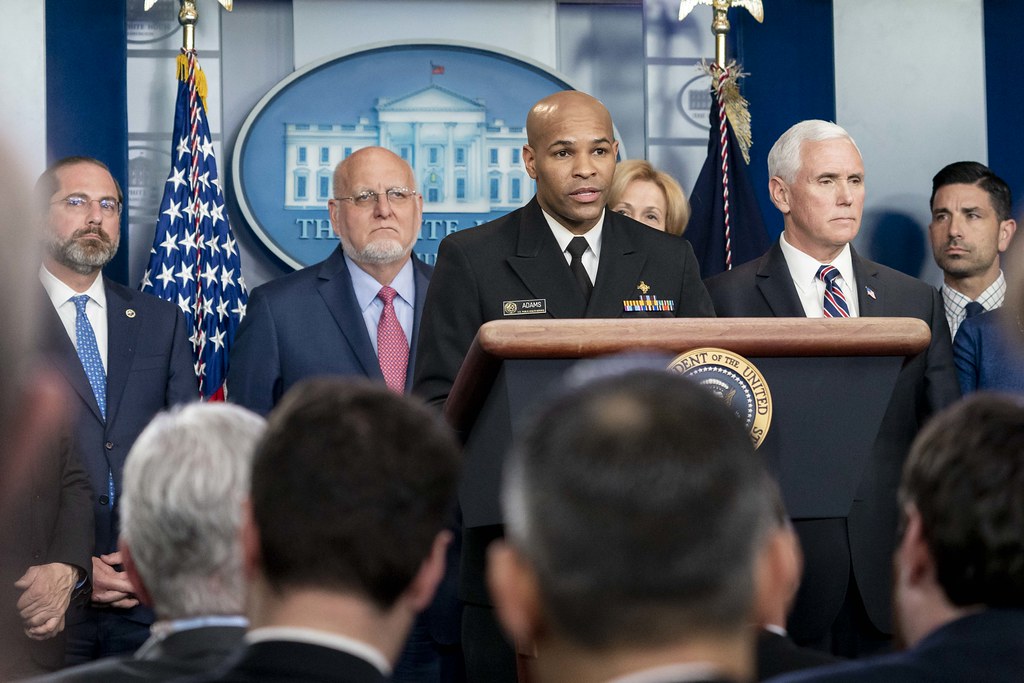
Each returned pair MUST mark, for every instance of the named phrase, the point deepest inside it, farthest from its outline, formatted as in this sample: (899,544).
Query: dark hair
(973,173)
(350,486)
(47,183)
(640,503)
(965,475)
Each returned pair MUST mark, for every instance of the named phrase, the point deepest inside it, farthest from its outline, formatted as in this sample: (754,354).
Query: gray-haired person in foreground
(185,481)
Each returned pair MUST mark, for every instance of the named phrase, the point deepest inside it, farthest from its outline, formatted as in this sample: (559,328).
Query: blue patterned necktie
(834,303)
(89,353)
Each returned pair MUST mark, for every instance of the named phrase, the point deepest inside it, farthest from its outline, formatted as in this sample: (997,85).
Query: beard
(380,252)
(83,257)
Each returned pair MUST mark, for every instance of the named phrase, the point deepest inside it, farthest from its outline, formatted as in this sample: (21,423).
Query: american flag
(194,261)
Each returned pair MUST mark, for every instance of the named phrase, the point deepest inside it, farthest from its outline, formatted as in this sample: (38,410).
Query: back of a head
(185,480)
(640,504)
(351,485)
(965,476)
(784,157)
(974,173)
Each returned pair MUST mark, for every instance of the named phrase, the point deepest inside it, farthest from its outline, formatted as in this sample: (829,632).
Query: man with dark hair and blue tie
(817,183)
(125,356)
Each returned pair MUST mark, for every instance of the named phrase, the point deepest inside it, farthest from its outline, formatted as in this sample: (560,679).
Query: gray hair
(181,510)
(784,158)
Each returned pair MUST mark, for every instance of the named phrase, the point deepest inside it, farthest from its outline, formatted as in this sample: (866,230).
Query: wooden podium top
(754,337)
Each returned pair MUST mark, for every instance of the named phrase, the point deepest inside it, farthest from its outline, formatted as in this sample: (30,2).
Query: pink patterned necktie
(392,346)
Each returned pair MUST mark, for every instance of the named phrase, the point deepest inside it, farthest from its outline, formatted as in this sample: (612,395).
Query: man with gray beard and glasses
(357,313)
(125,356)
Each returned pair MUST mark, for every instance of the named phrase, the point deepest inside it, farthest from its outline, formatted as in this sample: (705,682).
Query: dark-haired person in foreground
(632,535)
(959,567)
(345,539)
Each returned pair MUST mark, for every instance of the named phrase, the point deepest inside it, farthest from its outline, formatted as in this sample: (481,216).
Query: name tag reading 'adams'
(524,307)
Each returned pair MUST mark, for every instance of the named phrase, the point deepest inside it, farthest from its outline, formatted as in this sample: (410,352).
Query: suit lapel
(422,279)
(618,271)
(775,283)
(123,325)
(866,273)
(540,265)
(58,345)
(335,287)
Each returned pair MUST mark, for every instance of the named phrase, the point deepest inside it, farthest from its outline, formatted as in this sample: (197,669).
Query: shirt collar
(688,671)
(563,235)
(335,641)
(991,298)
(804,268)
(59,292)
(366,286)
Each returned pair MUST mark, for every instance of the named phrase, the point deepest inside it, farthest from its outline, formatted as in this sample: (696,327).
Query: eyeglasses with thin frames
(80,204)
(396,196)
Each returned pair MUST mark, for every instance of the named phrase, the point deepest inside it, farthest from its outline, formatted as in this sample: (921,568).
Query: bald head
(571,152)
(557,106)
(370,158)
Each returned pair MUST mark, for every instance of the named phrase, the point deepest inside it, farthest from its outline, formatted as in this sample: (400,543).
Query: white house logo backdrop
(456,113)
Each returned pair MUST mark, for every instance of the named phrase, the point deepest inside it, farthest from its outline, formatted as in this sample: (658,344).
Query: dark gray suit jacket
(183,653)
(304,324)
(927,383)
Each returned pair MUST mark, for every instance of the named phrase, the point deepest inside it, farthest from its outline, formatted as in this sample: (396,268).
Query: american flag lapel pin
(870,292)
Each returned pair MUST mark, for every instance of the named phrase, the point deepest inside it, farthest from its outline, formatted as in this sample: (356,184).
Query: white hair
(784,158)
(181,507)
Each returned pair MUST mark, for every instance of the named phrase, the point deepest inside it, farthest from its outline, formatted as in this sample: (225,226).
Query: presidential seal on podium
(735,381)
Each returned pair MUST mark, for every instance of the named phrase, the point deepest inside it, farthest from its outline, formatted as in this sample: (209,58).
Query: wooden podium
(816,452)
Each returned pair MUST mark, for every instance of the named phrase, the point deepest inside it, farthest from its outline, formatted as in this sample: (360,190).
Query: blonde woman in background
(650,196)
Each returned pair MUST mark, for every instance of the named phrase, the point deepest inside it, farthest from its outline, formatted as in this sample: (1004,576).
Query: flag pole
(188,15)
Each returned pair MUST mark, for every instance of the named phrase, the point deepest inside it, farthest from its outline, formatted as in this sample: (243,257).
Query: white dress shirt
(334,641)
(95,309)
(591,257)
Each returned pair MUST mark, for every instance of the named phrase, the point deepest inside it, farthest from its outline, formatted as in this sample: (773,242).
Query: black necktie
(576,248)
(972,309)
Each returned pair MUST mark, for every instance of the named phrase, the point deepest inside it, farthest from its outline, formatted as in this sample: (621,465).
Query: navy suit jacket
(988,354)
(987,646)
(149,368)
(927,383)
(304,324)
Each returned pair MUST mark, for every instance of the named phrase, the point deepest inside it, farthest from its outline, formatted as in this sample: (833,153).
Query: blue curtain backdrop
(86,92)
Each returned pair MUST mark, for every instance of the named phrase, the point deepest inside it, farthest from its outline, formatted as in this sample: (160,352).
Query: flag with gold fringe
(726,227)
(194,262)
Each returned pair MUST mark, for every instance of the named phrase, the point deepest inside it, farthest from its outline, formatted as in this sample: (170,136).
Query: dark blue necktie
(89,353)
(972,309)
(834,303)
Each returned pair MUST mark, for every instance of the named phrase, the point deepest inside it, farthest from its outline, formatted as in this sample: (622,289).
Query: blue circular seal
(735,381)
